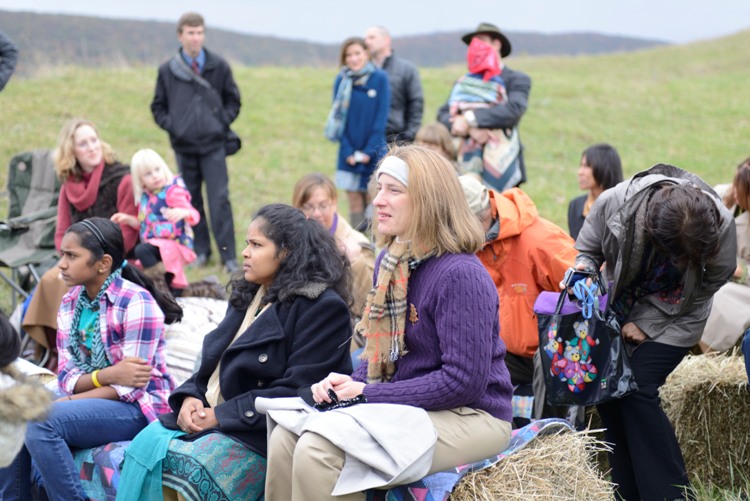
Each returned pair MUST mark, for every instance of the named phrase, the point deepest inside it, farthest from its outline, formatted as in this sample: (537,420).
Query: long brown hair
(348,42)
(441,218)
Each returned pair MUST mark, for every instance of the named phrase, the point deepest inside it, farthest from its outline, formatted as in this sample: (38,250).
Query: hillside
(684,105)
(47,40)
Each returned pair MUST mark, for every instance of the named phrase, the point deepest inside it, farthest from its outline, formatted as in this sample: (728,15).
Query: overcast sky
(333,20)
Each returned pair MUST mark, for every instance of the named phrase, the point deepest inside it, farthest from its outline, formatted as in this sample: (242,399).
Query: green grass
(684,105)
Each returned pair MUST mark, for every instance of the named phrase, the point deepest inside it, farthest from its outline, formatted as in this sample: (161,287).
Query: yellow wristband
(94,380)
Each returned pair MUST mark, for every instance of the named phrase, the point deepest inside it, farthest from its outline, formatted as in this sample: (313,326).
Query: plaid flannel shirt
(131,325)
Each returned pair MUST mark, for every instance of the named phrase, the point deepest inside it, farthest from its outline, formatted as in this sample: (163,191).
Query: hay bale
(558,466)
(706,398)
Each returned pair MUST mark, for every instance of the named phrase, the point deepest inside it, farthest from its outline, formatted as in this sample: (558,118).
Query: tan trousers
(308,467)
(42,311)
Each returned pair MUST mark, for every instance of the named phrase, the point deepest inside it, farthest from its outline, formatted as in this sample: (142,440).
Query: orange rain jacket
(529,255)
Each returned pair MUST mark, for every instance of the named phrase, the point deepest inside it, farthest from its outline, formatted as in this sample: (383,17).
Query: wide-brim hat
(493,31)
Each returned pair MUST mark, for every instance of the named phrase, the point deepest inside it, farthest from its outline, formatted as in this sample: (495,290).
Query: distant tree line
(57,39)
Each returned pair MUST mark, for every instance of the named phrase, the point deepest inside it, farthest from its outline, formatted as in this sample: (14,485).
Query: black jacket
(288,346)
(407,101)
(196,118)
(8,59)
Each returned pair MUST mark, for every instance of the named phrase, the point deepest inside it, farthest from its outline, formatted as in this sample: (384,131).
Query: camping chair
(27,236)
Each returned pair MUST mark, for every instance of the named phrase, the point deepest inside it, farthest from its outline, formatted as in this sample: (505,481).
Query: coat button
(263,358)
(261,384)
(249,414)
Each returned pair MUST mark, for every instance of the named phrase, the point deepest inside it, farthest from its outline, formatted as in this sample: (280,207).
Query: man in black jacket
(506,115)
(407,101)
(195,101)
(8,59)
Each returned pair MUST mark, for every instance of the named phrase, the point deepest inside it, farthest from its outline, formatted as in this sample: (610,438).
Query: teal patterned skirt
(214,467)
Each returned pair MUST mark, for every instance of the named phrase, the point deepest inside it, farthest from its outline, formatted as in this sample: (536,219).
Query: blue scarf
(98,359)
(340,108)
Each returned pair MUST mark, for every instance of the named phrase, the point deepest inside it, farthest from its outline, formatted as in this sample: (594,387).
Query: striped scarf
(340,109)
(383,321)
(98,358)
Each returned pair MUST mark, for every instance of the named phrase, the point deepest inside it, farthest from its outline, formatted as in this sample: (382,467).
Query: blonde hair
(304,188)
(438,135)
(66,163)
(146,158)
(441,218)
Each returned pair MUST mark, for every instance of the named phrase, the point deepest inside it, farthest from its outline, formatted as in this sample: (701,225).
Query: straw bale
(706,398)
(560,466)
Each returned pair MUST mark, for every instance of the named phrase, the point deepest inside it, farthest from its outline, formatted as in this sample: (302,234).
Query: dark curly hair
(10,341)
(684,222)
(101,236)
(311,255)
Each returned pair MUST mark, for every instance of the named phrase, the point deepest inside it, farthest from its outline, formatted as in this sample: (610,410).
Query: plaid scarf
(383,321)
(340,109)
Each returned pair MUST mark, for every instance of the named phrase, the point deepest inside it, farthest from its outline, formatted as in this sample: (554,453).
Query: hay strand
(706,398)
(560,466)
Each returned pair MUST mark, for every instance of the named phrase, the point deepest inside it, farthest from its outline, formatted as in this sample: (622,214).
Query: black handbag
(233,144)
(582,351)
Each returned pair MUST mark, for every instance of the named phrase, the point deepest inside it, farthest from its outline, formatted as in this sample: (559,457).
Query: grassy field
(683,105)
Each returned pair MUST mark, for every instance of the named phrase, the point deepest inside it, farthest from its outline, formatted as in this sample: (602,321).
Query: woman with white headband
(432,343)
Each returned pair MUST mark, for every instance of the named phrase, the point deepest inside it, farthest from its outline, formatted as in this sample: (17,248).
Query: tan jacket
(361,254)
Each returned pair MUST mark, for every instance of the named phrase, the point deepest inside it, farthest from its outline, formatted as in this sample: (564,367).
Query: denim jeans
(79,424)
(746,352)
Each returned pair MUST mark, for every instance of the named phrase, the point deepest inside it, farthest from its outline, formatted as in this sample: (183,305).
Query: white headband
(396,168)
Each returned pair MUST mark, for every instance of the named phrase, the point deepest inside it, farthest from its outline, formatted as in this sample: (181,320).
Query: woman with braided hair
(112,367)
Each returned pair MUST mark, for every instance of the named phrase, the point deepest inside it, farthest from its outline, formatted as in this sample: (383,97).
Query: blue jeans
(746,352)
(79,424)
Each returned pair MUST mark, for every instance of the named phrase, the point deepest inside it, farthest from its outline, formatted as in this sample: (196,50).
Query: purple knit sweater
(455,356)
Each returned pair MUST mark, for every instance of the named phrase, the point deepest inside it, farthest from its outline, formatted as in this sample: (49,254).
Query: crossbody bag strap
(181,70)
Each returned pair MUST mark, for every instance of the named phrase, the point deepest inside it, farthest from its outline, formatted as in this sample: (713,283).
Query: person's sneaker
(231,266)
